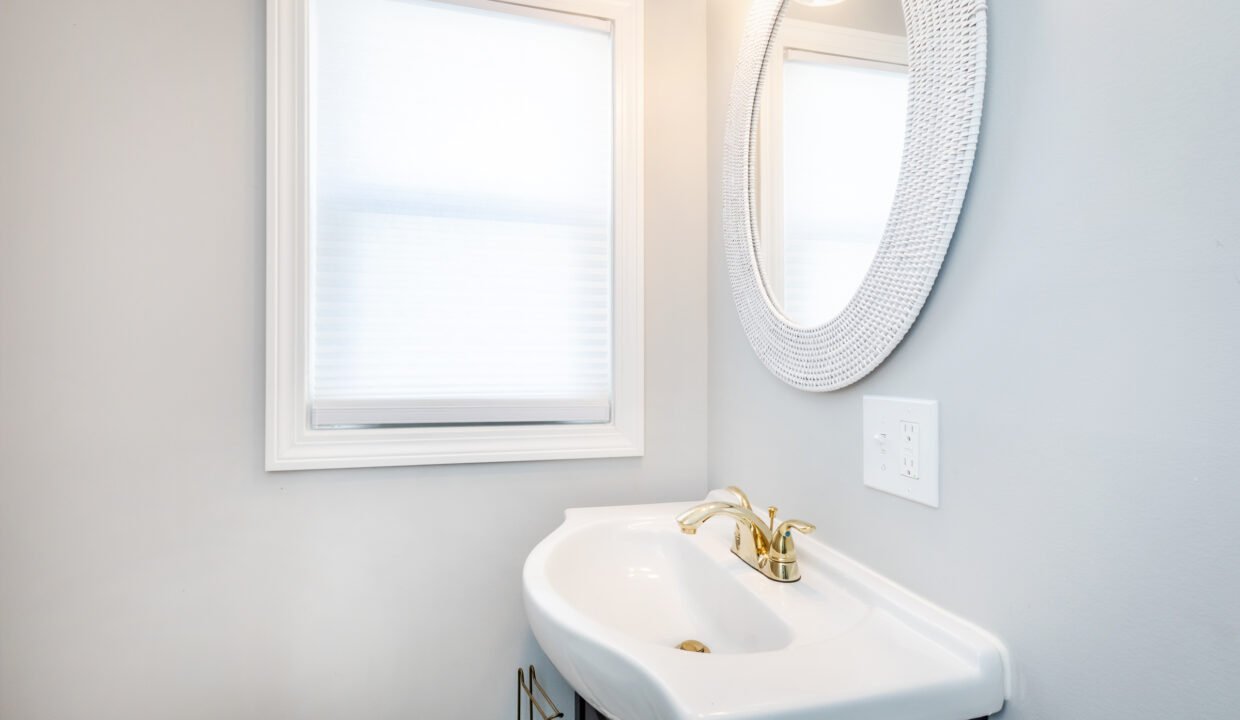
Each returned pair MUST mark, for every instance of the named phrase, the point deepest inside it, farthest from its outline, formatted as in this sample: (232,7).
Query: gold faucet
(763,546)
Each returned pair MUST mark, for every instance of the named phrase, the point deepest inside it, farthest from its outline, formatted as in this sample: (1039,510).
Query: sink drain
(693,646)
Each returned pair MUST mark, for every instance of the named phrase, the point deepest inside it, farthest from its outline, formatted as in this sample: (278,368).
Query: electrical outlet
(910,449)
(901,453)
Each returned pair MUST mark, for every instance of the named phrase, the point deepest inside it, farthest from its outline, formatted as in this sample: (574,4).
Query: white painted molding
(291,442)
(947,73)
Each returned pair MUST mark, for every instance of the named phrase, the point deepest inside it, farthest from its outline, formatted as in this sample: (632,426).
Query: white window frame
(801,39)
(292,442)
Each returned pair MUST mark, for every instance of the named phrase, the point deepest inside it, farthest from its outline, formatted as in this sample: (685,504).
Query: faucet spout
(691,519)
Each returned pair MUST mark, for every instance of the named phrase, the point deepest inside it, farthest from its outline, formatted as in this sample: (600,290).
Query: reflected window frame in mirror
(799,40)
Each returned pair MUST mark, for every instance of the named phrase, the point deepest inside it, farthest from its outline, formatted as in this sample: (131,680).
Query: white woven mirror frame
(947,72)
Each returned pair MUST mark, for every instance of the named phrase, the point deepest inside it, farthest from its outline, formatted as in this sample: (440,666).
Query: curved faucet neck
(693,518)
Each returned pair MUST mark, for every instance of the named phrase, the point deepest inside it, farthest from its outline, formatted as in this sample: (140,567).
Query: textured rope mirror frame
(947,73)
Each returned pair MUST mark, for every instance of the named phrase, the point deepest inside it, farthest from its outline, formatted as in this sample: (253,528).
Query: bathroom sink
(613,591)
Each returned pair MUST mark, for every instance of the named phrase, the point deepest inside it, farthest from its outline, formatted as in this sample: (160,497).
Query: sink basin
(613,591)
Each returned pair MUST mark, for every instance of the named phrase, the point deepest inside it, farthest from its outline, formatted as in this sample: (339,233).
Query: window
(832,141)
(454,231)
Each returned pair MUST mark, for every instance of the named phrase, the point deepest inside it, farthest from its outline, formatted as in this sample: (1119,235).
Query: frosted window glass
(843,138)
(462,165)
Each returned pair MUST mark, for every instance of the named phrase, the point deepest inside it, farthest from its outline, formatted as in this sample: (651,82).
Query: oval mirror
(850,141)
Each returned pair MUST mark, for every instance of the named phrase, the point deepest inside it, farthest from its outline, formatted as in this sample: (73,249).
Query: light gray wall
(149,568)
(1083,341)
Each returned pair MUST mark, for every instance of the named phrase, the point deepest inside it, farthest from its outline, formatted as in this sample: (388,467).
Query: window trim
(291,442)
(801,38)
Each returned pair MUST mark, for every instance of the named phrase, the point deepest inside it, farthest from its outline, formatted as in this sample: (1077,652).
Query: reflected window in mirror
(832,138)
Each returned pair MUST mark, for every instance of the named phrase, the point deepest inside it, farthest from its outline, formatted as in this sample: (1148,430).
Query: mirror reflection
(831,136)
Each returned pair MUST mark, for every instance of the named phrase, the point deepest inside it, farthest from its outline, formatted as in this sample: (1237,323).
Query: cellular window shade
(843,138)
(462,254)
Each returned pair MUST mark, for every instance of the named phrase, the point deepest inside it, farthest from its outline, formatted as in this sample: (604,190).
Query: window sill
(386,447)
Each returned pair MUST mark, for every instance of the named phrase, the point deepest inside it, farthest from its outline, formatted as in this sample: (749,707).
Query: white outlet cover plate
(882,419)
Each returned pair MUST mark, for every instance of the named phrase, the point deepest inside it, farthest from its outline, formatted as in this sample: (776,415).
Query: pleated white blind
(843,138)
(462,253)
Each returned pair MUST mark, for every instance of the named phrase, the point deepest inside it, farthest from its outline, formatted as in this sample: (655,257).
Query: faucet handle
(799,525)
(783,549)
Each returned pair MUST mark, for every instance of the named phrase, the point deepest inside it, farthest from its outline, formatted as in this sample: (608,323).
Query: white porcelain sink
(613,591)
